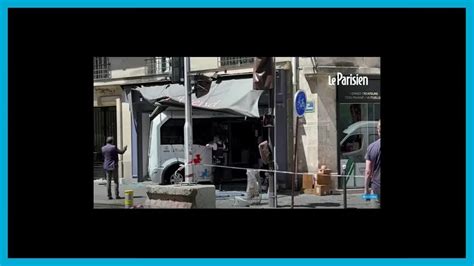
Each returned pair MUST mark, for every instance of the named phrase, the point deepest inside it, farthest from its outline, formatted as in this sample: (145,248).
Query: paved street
(301,201)
(102,202)
(228,198)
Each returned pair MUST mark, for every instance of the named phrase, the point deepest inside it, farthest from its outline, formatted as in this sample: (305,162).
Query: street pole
(295,164)
(271,166)
(295,80)
(275,184)
(188,126)
(344,188)
(272,182)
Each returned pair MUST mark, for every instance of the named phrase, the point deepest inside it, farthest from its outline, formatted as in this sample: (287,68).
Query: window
(172,132)
(235,61)
(157,65)
(353,143)
(101,68)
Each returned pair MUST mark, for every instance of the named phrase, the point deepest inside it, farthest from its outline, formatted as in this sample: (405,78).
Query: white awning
(234,96)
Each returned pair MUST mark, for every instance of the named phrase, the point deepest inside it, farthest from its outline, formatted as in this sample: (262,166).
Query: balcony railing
(235,61)
(102,73)
(101,68)
(157,65)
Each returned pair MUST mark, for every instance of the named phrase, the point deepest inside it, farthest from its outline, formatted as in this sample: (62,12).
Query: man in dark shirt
(373,167)
(218,149)
(111,153)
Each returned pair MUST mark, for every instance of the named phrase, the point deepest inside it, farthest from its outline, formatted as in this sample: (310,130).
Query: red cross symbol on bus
(197,159)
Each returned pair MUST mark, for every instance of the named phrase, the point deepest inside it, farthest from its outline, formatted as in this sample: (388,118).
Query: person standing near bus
(218,148)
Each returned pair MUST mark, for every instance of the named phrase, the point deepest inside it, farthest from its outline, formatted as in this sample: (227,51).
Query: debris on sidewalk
(101,181)
(241,202)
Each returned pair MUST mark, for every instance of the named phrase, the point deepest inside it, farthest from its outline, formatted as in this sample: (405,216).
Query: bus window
(172,132)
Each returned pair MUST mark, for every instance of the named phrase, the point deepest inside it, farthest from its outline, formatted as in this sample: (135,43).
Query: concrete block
(181,196)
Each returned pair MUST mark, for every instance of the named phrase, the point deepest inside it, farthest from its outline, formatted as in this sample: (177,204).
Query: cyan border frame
(5,4)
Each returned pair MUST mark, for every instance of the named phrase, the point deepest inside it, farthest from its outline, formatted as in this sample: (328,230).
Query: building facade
(332,107)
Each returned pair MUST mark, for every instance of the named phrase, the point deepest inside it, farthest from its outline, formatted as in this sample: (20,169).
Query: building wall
(106,95)
(130,67)
(319,130)
(126,67)
(124,138)
(324,96)
(127,140)
(202,63)
(308,129)
(123,67)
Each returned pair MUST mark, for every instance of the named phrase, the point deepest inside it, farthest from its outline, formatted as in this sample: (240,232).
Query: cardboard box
(323,179)
(308,181)
(310,191)
(322,190)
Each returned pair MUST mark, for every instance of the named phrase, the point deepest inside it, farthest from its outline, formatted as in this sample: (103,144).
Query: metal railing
(101,68)
(157,65)
(102,73)
(235,61)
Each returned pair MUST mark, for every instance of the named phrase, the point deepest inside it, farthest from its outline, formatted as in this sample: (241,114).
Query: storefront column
(119,140)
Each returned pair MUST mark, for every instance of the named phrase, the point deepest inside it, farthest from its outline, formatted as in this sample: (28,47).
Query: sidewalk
(301,201)
(226,199)
(101,200)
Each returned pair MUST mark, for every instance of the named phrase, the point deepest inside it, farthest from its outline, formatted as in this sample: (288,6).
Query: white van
(357,137)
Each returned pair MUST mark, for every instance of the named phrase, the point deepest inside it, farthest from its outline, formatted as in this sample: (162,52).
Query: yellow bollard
(128,198)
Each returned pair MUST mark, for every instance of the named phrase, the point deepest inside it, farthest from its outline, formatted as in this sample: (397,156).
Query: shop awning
(235,96)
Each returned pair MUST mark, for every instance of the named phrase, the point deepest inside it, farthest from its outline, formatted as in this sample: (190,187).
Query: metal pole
(275,184)
(271,165)
(295,62)
(188,125)
(295,164)
(344,188)
(295,81)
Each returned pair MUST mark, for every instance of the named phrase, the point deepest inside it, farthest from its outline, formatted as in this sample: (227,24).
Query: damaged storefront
(228,108)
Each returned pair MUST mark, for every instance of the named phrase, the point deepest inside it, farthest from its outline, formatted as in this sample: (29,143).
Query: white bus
(166,151)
